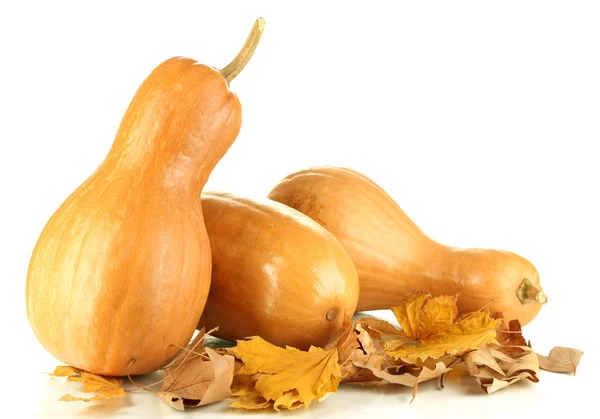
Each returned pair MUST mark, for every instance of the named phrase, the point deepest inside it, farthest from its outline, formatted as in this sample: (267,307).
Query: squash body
(276,274)
(393,256)
(121,270)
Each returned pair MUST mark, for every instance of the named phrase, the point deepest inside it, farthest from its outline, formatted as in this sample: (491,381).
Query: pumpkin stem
(236,66)
(528,292)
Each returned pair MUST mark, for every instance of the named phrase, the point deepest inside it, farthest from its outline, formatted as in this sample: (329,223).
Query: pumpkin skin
(393,256)
(122,269)
(276,274)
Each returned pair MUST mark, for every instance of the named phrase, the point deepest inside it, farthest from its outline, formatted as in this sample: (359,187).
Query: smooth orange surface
(276,274)
(122,269)
(393,256)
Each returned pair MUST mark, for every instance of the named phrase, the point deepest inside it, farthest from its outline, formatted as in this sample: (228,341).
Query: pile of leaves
(433,341)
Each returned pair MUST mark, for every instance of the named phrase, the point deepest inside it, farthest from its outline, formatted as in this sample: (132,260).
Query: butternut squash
(121,271)
(393,256)
(276,274)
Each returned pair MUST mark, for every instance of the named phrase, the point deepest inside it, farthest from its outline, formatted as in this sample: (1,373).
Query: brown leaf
(197,377)
(383,366)
(353,374)
(345,344)
(561,359)
(104,387)
(190,380)
(493,375)
(511,337)
(172,399)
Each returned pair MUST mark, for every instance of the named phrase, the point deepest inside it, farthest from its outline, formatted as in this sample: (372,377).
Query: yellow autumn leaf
(243,389)
(432,322)
(408,312)
(286,377)
(104,387)
(438,315)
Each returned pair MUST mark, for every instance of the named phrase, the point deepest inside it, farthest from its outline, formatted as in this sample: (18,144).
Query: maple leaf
(372,357)
(199,376)
(511,337)
(379,328)
(286,377)
(408,312)
(561,359)
(104,387)
(244,391)
(432,321)
(494,370)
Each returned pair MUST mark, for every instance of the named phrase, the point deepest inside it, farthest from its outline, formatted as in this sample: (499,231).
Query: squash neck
(174,172)
(181,122)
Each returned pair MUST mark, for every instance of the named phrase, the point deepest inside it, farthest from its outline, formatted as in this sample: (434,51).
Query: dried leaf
(353,374)
(409,311)
(197,377)
(345,344)
(482,356)
(432,320)
(65,371)
(244,391)
(251,401)
(289,400)
(379,328)
(172,399)
(312,374)
(561,359)
(105,387)
(383,366)
(493,376)
(511,337)
(437,316)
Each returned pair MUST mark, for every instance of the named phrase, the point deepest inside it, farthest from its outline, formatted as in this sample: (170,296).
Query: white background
(482,119)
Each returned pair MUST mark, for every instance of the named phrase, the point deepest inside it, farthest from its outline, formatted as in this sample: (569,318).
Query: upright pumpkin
(393,256)
(277,274)
(121,271)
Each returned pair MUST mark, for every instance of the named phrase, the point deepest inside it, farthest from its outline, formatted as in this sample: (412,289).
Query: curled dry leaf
(432,321)
(285,378)
(380,328)
(369,363)
(346,343)
(494,369)
(199,376)
(372,357)
(104,387)
(561,359)
(511,337)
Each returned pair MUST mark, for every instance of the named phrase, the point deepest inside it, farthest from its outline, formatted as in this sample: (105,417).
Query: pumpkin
(276,274)
(393,256)
(121,271)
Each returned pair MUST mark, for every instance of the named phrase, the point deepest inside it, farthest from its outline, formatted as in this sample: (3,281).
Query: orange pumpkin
(393,256)
(277,274)
(121,271)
